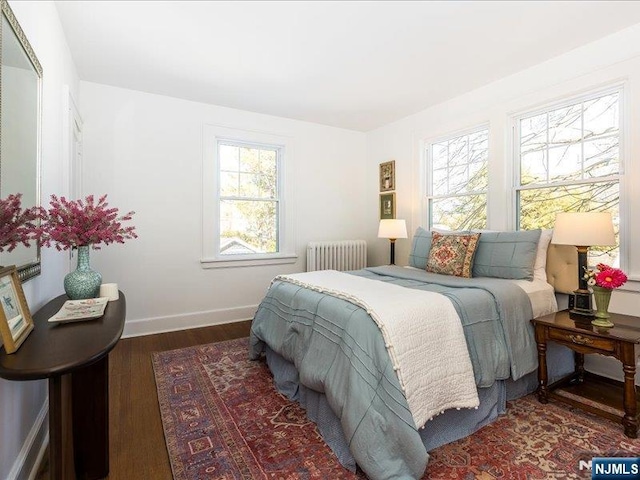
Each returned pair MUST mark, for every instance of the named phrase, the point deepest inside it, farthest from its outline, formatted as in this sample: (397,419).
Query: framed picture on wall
(15,319)
(387,206)
(388,176)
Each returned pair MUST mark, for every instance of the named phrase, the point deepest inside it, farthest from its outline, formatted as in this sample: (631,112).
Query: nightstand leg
(542,372)
(630,420)
(579,362)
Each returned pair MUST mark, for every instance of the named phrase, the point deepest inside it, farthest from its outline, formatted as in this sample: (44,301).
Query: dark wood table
(596,394)
(74,357)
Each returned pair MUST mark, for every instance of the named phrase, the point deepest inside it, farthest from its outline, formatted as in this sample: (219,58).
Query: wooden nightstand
(598,395)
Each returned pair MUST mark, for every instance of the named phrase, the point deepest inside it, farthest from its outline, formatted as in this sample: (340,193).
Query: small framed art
(15,319)
(388,176)
(387,206)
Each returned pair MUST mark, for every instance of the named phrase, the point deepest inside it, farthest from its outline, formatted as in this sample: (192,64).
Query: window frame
(567,101)
(213,136)
(428,171)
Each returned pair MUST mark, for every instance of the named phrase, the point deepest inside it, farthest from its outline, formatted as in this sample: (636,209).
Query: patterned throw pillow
(452,254)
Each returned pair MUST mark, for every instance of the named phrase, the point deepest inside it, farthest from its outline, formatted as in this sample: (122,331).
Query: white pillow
(540,265)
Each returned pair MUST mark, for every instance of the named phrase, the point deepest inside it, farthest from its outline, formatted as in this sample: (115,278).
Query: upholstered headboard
(562,267)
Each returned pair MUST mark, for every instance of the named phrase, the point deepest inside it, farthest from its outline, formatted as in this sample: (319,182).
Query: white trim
(172,323)
(248,260)
(28,460)
(211,135)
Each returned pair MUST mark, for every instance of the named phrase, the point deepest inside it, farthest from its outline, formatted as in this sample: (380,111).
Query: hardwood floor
(137,448)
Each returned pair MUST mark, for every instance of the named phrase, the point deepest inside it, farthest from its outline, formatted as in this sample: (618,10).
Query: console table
(74,357)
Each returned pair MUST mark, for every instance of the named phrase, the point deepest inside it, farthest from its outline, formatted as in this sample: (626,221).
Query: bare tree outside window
(458,182)
(569,161)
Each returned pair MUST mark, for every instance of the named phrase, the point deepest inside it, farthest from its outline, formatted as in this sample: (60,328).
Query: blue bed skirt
(450,426)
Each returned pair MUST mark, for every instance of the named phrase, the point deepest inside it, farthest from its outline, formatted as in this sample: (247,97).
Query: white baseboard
(171,323)
(26,465)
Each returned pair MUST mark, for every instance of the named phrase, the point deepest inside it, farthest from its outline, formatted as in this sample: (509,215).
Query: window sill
(248,261)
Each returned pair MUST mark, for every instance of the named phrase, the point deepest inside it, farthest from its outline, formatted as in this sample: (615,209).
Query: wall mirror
(20,119)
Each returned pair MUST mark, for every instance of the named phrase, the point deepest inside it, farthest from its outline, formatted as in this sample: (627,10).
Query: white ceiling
(357,65)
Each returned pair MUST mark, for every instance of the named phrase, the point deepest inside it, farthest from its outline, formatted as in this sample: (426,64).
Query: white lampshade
(392,229)
(584,229)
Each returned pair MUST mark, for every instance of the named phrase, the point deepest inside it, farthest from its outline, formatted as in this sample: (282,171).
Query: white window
(568,160)
(457,181)
(244,204)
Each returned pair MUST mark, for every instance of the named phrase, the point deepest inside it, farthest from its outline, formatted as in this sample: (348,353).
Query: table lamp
(392,229)
(583,230)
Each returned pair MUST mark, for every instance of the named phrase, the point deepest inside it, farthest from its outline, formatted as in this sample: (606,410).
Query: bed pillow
(452,254)
(540,265)
(507,254)
(420,248)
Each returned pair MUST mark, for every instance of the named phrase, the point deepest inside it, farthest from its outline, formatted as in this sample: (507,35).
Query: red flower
(611,278)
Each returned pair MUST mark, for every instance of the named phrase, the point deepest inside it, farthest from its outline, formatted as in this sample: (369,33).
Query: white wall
(23,404)
(613,59)
(145,152)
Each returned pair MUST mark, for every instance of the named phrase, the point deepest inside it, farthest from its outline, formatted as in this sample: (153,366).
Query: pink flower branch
(17,226)
(75,223)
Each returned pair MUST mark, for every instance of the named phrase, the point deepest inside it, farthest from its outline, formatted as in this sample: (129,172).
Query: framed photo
(388,176)
(387,206)
(15,319)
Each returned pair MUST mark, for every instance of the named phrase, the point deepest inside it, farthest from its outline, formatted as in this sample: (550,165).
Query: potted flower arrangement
(80,224)
(603,279)
(17,226)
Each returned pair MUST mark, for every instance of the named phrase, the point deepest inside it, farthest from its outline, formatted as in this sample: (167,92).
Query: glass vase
(602,297)
(83,282)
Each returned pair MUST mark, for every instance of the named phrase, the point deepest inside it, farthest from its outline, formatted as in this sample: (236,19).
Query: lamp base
(580,303)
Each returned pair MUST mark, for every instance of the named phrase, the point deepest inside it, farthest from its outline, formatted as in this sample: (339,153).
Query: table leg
(630,420)
(543,394)
(90,386)
(55,428)
(579,364)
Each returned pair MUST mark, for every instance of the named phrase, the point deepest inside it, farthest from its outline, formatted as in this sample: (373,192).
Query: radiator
(339,255)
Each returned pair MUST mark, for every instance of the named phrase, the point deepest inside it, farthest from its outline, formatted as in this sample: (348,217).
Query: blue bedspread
(339,351)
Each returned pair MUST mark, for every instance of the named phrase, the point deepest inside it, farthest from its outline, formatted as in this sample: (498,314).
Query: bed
(382,398)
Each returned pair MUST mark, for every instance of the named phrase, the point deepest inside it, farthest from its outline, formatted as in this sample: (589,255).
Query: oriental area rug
(223,419)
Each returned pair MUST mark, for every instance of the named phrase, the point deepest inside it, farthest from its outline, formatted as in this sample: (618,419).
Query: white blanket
(422,333)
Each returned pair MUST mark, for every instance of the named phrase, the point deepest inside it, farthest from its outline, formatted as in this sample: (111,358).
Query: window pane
(565,125)
(601,157)
(228,184)
(458,152)
(248,227)
(565,163)
(249,185)
(601,116)
(439,155)
(479,146)
(249,160)
(538,209)
(533,167)
(459,213)
(533,133)
(229,158)
(439,181)
(458,177)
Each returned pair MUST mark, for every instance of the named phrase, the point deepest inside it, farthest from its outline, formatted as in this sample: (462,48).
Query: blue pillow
(506,254)
(420,249)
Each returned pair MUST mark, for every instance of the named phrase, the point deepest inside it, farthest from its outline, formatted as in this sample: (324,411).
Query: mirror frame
(33,268)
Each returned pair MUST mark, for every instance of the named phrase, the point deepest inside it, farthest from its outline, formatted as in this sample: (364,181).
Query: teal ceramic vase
(602,297)
(83,282)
